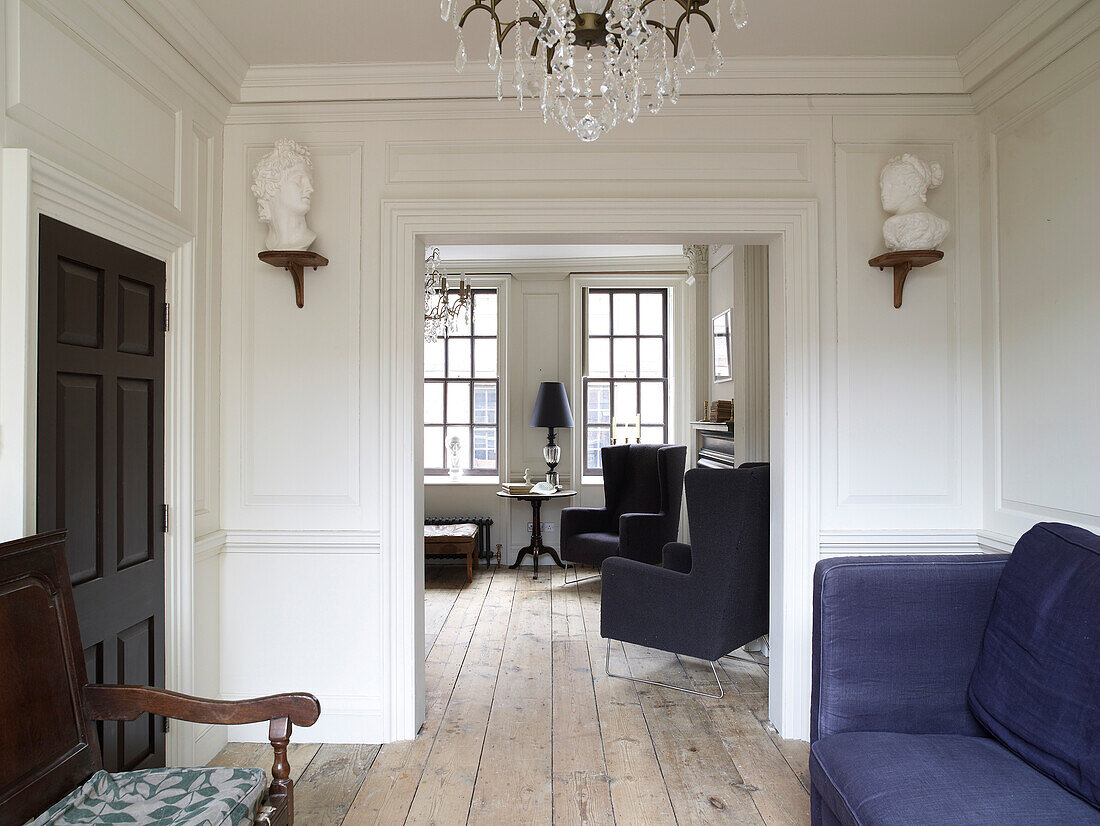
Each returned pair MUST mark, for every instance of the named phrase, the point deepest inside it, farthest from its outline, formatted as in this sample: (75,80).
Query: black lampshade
(552,406)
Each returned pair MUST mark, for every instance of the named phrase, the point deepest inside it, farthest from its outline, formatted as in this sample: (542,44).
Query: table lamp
(551,411)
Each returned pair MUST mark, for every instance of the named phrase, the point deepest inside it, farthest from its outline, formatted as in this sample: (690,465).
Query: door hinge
(167,316)
(167,725)
(164,523)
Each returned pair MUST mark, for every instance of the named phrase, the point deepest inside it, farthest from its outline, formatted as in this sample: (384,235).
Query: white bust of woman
(905,182)
(283,184)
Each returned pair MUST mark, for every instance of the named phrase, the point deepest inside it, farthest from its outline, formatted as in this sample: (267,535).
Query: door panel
(101,459)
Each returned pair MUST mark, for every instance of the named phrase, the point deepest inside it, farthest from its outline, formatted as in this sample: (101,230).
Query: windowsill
(591,480)
(470,481)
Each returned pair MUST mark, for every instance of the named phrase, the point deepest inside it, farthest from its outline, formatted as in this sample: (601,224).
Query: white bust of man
(283,185)
(905,182)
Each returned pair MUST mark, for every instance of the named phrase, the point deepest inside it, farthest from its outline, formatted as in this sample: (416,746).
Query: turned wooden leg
(281,786)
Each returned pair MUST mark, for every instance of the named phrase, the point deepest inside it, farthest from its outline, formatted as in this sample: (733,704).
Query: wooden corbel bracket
(902,263)
(295,261)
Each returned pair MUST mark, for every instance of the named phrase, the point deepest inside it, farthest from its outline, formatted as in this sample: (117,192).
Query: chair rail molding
(791,225)
(33,186)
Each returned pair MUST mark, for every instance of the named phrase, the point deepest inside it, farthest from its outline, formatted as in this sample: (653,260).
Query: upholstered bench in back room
(51,770)
(449,540)
(955,690)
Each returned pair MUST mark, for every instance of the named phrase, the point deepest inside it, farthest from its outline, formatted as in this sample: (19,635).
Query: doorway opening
(786,228)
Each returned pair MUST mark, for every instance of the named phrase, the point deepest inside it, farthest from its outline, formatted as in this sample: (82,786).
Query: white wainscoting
(300,612)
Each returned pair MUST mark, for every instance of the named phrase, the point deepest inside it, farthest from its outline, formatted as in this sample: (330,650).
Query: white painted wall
(1043,298)
(913,403)
(116,115)
(920,364)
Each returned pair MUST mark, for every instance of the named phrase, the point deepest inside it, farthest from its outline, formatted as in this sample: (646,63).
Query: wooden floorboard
(523,726)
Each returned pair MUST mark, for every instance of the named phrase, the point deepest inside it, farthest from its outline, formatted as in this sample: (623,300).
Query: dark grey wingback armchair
(643,485)
(711,597)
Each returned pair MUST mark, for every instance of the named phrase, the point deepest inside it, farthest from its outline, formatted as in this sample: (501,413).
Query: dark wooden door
(101,319)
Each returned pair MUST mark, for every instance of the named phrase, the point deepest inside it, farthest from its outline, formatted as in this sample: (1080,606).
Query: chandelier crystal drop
(444,303)
(595,63)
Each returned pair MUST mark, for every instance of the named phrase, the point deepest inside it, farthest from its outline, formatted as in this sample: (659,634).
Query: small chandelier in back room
(594,63)
(443,303)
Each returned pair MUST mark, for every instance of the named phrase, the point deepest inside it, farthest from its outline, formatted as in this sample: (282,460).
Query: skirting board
(344,719)
(209,740)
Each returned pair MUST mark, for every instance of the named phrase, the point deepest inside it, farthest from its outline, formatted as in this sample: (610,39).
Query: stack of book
(721,411)
(515,488)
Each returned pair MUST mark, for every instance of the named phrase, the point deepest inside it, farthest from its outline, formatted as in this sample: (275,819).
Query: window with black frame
(462,393)
(625,369)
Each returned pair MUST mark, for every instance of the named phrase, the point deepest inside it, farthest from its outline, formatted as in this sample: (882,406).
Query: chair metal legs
(577,578)
(713,667)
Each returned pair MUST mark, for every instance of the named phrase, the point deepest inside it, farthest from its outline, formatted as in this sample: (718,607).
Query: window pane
(458,403)
(599,403)
(458,358)
(485,314)
(653,435)
(626,314)
(598,437)
(485,448)
(652,309)
(433,402)
(653,403)
(626,402)
(433,359)
(461,324)
(485,358)
(485,403)
(433,448)
(653,358)
(599,357)
(626,357)
(599,314)
(463,435)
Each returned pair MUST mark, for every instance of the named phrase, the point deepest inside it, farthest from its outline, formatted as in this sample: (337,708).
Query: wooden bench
(446,540)
(49,744)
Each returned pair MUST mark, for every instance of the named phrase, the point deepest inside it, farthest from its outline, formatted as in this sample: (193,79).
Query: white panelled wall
(951,424)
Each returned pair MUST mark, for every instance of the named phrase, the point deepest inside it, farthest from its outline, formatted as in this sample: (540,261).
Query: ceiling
(272,32)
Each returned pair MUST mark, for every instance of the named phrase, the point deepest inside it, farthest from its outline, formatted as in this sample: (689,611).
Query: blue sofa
(959,689)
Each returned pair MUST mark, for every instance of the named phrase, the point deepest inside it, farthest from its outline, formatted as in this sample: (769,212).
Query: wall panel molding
(538,161)
(865,312)
(270,324)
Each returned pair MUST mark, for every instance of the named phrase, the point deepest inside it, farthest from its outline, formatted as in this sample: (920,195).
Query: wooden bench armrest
(128,702)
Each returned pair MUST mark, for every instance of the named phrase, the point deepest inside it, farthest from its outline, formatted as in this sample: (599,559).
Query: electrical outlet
(530,527)
(548,527)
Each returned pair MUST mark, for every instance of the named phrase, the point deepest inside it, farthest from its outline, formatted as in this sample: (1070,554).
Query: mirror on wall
(722,347)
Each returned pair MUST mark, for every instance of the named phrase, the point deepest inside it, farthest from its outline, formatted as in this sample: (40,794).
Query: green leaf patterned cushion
(162,797)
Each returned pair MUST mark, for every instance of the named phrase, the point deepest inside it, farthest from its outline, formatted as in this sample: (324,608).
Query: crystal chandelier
(594,63)
(443,304)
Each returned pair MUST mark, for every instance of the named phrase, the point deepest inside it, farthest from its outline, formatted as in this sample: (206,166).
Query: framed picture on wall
(722,348)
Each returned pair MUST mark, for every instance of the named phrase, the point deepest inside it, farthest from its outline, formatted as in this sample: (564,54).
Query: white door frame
(790,229)
(33,186)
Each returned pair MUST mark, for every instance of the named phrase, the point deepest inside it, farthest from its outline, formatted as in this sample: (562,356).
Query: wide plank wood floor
(524,727)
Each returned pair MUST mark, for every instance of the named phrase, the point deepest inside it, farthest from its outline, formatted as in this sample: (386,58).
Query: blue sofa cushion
(1036,686)
(870,778)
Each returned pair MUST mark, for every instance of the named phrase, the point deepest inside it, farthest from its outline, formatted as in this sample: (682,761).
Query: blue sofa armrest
(895,640)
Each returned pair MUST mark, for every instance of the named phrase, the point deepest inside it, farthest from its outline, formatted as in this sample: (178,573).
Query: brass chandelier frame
(591,27)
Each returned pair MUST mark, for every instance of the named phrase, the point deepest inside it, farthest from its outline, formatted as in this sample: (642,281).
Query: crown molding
(1039,53)
(191,33)
(559,269)
(741,76)
(1010,35)
(312,112)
